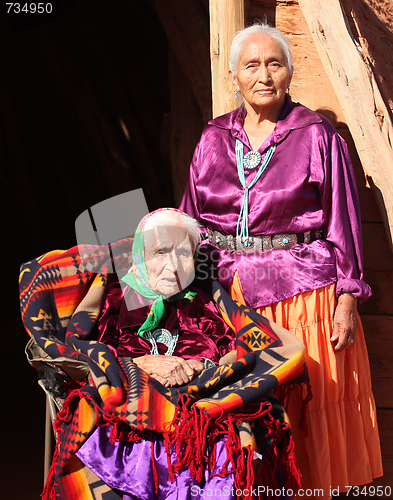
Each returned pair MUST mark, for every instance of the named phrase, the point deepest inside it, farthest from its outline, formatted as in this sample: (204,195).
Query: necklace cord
(242,222)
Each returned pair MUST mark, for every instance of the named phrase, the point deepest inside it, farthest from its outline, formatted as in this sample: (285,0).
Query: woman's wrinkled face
(169,259)
(262,73)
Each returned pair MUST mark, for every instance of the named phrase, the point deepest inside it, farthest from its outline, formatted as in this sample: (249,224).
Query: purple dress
(308,185)
(127,467)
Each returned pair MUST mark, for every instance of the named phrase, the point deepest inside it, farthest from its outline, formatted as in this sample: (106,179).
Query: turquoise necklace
(242,223)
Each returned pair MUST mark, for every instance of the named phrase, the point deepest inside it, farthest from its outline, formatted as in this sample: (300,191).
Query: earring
(236,94)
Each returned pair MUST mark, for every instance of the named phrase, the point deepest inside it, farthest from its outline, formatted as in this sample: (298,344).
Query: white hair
(170,218)
(265,29)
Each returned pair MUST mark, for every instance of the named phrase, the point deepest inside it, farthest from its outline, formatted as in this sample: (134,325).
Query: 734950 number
(29,8)
(369,491)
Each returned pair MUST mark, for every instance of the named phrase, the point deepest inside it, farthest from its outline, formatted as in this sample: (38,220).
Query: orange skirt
(342,444)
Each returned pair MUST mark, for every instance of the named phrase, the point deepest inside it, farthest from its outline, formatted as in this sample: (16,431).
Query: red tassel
(49,491)
(192,438)
(283,394)
(120,431)
(294,475)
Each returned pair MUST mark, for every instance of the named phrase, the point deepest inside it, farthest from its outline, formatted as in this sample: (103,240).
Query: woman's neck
(259,124)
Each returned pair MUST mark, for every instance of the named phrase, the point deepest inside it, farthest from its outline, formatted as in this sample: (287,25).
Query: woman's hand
(344,324)
(170,371)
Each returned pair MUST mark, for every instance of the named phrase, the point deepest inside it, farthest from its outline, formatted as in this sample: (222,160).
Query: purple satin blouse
(202,331)
(308,184)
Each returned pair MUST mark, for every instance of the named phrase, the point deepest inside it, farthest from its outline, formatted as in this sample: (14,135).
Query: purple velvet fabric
(202,331)
(127,467)
(308,184)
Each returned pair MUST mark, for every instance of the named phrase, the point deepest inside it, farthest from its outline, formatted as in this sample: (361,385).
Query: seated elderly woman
(169,330)
(155,313)
(172,402)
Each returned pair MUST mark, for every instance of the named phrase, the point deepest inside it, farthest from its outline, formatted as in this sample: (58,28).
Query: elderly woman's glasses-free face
(169,259)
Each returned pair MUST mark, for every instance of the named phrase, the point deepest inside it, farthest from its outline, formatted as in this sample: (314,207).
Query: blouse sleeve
(342,220)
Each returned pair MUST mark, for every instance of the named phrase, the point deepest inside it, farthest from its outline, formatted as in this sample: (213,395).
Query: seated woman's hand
(170,371)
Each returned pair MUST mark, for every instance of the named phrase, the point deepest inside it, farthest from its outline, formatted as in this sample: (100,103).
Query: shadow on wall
(70,88)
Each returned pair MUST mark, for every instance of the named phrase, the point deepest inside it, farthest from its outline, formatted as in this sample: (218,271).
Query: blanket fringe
(120,431)
(193,439)
(284,392)
(49,492)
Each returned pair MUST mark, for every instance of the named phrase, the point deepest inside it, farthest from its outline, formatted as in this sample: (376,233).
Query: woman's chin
(169,291)
(167,288)
(170,287)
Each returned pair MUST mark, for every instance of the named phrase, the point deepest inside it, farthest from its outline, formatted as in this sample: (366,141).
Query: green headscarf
(138,279)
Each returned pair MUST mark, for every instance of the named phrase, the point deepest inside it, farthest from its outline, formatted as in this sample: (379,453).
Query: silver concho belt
(260,243)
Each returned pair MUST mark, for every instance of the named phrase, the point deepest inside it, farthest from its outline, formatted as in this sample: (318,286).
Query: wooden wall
(311,87)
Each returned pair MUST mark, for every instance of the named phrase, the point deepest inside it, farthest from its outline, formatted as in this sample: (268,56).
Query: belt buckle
(284,241)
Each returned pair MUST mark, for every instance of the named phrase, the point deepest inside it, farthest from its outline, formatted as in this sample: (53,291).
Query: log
(365,111)
(381,301)
(377,330)
(226,18)
(377,256)
(384,419)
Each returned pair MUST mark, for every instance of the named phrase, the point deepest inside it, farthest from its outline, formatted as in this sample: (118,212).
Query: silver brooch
(163,336)
(251,159)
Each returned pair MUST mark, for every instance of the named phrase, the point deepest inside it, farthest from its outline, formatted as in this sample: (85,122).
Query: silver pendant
(163,336)
(251,159)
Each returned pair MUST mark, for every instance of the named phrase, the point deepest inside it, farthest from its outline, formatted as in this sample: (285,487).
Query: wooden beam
(384,418)
(377,330)
(226,18)
(366,113)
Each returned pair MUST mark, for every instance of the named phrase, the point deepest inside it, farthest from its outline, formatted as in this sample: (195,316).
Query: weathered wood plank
(226,18)
(377,256)
(373,22)
(368,204)
(310,84)
(367,115)
(378,332)
(381,283)
(385,419)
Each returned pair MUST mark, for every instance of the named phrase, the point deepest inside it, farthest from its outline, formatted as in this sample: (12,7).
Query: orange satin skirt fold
(342,444)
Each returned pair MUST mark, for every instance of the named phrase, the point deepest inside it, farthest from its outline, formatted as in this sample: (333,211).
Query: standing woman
(272,183)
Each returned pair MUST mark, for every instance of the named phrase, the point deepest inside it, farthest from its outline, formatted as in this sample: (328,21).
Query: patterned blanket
(60,296)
